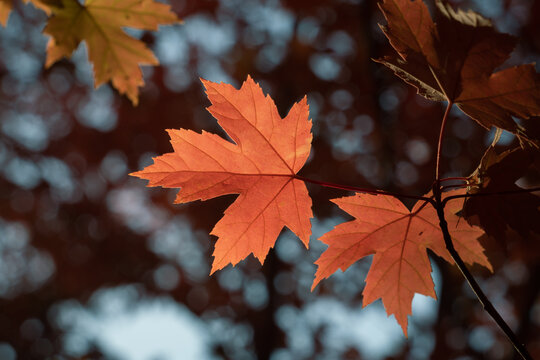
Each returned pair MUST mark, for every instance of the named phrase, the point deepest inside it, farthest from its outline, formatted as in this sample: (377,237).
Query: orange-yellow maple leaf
(260,166)
(115,55)
(7,5)
(5,9)
(398,239)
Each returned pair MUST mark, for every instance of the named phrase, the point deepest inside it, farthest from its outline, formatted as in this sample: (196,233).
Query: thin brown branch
(458,186)
(453,179)
(487,305)
(441,135)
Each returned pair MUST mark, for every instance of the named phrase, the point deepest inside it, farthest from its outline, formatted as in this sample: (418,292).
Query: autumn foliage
(451,56)
(451,60)
(398,238)
(115,55)
(260,166)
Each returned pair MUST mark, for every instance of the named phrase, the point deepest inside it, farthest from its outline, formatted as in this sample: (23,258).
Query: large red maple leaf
(260,166)
(454,59)
(398,239)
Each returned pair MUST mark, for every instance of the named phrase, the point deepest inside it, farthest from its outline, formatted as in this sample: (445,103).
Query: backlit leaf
(398,239)
(260,166)
(116,56)
(499,171)
(454,59)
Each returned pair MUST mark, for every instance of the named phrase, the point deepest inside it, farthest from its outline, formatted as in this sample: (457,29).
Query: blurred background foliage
(94,265)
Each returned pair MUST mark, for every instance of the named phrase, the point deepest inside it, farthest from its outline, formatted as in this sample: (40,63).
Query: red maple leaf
(398,239)
(260,166)
(453,59)
(499,171)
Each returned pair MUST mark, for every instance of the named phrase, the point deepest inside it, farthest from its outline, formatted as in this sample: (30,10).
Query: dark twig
(453,179)
(487,305)
(439,207)
(458,186)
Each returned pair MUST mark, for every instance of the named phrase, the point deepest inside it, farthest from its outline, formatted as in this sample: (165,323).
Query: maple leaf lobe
(5,9)
(260,166)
